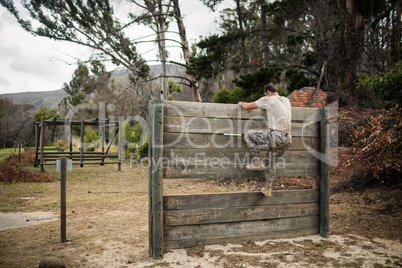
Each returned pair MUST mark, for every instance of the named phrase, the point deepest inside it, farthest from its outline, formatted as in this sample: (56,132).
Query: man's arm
(248,105)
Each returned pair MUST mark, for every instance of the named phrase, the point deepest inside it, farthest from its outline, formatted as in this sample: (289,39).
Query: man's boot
(256,164)
(266,191)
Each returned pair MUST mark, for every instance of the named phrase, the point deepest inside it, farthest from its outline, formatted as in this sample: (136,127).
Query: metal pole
(63,179)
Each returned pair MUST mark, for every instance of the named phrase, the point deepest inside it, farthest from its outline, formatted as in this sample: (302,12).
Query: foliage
(249,87)
(297,80)
(213,57)
(91,23)
(386,87)
(2,108)
(12,171)
(173,89)
(91,139)
(45,113)
(133,132)
(379,144)
(17,124)
(137,140)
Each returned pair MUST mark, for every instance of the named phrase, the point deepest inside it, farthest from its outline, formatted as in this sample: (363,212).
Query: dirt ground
(107,226)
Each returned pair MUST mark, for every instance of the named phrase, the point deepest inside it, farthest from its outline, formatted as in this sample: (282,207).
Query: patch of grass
(4,153)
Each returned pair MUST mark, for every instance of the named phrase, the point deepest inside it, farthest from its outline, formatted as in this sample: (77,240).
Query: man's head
(269,89)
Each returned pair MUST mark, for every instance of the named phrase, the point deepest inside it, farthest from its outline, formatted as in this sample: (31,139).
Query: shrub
(11,170)
(379,142)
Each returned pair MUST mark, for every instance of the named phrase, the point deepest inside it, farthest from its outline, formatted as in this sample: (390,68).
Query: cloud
(4,81)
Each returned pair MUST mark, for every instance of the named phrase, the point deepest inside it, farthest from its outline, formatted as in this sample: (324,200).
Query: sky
(29,63)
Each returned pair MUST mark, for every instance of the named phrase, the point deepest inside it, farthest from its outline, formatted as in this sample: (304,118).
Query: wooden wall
(188,141)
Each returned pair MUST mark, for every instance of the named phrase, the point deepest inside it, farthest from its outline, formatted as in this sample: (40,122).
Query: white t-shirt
(279,112)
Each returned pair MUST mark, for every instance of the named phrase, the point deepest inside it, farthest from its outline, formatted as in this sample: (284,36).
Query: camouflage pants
(277,141)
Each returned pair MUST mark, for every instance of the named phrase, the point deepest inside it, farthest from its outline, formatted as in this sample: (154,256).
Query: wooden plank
(157,180)
(324,177)
(150,168)
(237,214)
(169,245)
(226,200)
(201,156)
(205,141)
(227,126)
(227,170)
(220,110)
(202,231)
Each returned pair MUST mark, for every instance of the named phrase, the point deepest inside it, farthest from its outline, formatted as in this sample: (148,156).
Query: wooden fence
(201,140)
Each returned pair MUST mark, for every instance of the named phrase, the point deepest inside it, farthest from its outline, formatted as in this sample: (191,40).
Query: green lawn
(4,153)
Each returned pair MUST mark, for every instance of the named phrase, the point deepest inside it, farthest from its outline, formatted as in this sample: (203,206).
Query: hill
(49,99)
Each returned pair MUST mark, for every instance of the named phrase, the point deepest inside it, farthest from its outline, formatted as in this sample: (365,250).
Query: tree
(17,123)
(2,109)
(44,114)
(249,87)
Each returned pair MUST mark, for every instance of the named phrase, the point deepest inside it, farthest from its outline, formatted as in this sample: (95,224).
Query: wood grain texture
(218,126)
(220,110)
(239,228)
(227,170)
(207,141)
(243,199)
(237,214)
(238,238)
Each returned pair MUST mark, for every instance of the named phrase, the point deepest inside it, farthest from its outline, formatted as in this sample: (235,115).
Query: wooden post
(42,145)
(82,145)
(150,219)
(63,208)
(324,180)
(71,138)
(156,183)
(119,145)
(102,129)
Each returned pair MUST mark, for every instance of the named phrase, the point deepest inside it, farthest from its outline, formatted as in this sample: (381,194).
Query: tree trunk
(162,52)
(398,31)
(264,34)
(186,50)
(354,43)
(242,40)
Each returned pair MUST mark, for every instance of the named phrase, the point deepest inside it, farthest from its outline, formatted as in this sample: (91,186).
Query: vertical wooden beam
(150,167)
(324,178)
(156,198)
(82,144)
(103,140)
(42,145)
(63,202)
(71,139)
(119,149)
(36,144)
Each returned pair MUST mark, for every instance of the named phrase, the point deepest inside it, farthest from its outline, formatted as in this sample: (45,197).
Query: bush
(11,170)
(91,139)
(379,142)
(386,87)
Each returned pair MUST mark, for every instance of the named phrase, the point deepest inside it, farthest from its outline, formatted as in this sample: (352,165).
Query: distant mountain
(49,99)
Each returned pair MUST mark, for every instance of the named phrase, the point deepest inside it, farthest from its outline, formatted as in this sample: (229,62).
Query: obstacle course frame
(196,140)
(45,157)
